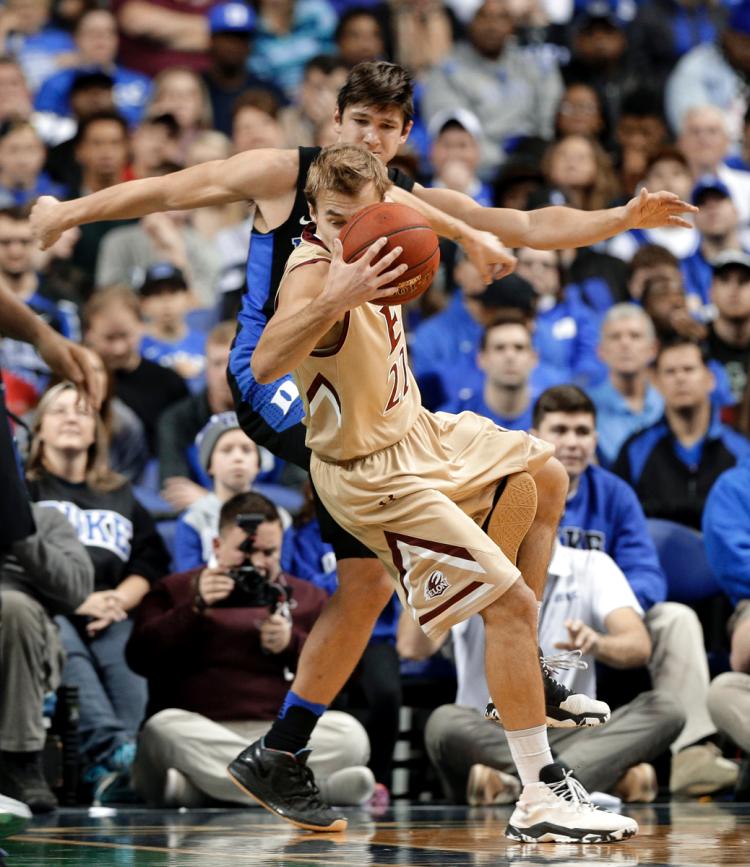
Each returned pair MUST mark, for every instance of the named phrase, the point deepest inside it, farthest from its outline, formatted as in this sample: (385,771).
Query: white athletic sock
(530,751)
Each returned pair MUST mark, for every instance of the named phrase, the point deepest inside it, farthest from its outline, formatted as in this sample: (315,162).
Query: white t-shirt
(581,585)
(587,586)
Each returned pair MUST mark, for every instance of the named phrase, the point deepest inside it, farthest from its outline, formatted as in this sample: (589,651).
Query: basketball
(403,227)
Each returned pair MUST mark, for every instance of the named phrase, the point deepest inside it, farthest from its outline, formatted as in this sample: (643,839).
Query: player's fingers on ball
(393,274)
(388,259)
(372,251)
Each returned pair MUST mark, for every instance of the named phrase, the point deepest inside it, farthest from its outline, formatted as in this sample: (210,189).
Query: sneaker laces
(572,790)
(565,661)
(307,788)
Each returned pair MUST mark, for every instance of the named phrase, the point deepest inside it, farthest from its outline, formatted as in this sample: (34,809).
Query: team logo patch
(437,584)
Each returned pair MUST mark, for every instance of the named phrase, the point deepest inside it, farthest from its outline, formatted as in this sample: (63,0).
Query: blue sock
(293,726)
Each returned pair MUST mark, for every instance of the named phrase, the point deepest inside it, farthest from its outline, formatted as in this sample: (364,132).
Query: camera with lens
(252,588)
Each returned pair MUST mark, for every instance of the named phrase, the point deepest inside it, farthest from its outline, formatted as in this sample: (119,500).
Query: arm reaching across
(559,228)
(483,249)
(312,300)
(252,175)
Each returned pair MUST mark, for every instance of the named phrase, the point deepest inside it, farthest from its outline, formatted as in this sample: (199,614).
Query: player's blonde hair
(345,169)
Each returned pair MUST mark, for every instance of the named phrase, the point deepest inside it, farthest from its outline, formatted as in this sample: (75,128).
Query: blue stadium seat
(682,555)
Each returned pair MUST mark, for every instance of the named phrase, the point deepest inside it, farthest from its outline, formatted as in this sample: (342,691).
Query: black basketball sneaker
(564,708)
(284,785)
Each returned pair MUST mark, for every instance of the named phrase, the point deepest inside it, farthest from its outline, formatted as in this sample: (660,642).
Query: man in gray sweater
(45,574)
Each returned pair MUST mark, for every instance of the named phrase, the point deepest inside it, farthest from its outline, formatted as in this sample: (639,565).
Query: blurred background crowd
(631,357)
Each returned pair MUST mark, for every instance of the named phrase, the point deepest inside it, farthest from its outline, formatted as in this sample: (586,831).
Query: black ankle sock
(291,733)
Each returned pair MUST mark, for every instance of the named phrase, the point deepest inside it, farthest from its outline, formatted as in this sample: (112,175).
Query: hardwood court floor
(684,834)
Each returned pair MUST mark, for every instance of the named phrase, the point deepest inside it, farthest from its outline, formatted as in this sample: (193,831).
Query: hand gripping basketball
(351,284)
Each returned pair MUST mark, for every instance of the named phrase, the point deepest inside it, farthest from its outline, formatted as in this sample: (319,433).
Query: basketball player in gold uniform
(417,487)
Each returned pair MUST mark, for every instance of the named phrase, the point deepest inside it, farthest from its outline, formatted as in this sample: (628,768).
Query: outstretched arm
(312,299)
(257,175)
(483,249)
(559,228)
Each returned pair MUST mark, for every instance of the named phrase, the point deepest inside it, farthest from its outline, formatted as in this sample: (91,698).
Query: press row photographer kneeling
(218,646)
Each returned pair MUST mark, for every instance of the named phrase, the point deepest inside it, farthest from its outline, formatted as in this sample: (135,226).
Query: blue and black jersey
(672,481)
(271,414)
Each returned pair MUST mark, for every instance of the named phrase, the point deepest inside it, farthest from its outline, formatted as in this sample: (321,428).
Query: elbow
(641,652)
(261,368)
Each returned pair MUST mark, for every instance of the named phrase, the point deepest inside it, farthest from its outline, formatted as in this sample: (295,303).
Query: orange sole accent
(338,825)
(513,514)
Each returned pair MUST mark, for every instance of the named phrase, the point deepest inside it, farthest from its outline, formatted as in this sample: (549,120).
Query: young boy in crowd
(168,339)
(231,459)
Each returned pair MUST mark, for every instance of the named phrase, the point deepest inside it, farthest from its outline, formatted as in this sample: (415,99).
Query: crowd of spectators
(631,357)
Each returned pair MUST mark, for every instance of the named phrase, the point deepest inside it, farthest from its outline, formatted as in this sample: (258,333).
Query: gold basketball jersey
(359,394)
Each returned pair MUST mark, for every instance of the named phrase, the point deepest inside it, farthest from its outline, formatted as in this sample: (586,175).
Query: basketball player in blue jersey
(375,110)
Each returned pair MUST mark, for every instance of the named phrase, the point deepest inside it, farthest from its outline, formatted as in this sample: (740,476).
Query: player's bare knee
(364,580)
(552,489)
(517,605)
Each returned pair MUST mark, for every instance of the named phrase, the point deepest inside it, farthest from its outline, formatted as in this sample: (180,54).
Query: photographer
(218,646)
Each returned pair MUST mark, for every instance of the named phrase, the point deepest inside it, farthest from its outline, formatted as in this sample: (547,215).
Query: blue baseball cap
(709,184)
(162,276)
(231,18)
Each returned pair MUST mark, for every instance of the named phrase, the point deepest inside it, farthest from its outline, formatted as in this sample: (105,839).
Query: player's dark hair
(379,84)
(507,317)
(95,117)
(675,341)
(562,398)
(249,503)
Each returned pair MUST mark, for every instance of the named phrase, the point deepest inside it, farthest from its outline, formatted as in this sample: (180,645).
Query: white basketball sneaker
(558,809)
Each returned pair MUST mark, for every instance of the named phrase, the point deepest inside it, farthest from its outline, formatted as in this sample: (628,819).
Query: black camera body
(252,589)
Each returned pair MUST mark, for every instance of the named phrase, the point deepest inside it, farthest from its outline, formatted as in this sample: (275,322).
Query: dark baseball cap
(91,77)
(511,291)
(709,184)
(162,277)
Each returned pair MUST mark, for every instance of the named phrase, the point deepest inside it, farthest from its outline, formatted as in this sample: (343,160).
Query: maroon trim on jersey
(321,382)
(332,350)
(308,262)
(439,548)
(308,234)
